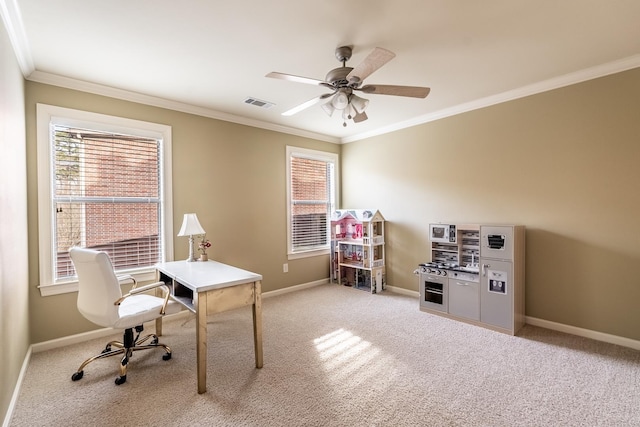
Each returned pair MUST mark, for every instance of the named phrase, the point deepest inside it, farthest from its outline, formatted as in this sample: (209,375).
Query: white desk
(212,287)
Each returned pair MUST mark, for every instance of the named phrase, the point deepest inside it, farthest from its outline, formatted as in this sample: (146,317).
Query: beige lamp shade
(190,225)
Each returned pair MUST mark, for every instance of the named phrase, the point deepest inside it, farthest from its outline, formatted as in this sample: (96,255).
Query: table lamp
(191,227)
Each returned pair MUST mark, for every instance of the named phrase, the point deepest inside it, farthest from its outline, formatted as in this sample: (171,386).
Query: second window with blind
(311,198)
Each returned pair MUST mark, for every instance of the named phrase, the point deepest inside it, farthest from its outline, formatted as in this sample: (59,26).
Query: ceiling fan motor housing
(338,77)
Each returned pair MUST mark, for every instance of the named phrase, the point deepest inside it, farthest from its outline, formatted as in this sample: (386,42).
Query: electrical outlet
(285,268)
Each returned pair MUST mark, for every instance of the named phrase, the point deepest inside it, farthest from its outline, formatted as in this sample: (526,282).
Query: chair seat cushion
(137,309)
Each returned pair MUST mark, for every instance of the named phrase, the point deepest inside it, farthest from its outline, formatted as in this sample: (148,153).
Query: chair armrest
(126,279)
(145,288)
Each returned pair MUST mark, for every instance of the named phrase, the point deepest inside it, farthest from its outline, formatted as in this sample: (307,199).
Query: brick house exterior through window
(103,183)
(106,197)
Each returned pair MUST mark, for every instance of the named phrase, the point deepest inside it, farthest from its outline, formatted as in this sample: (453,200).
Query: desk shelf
(179,292)
(186,302)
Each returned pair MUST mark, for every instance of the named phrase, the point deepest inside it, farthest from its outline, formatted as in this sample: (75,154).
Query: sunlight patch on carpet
(342,354)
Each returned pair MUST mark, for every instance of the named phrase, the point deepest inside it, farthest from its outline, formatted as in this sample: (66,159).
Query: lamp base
(192,257)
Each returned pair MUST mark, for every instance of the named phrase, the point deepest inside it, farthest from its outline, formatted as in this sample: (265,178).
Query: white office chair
(100,300)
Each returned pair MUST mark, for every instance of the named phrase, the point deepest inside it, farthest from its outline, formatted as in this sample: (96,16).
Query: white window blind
(107,196)
(311,199)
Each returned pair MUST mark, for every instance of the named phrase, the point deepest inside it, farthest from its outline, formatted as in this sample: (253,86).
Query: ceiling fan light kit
(328,108)
(343,81)
(360,104)
(340,100)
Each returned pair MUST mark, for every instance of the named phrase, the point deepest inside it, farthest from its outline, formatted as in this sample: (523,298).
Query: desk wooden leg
(257,322)
(158,293)
(201,340)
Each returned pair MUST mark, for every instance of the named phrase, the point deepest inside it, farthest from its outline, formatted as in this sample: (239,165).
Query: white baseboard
(16,389)
(587,333)
(573,330)
(105,332)
(86,336)
(294,288)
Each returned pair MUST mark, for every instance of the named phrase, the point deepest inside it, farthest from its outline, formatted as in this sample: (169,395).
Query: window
(311,198)
(101,185)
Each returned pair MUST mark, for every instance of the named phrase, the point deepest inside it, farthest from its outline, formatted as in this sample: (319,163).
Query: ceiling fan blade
(410,91)
(360,117)
(307,104)
(371,63)
(297,79)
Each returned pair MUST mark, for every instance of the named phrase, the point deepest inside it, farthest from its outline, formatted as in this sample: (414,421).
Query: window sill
(307,254)
(72,285)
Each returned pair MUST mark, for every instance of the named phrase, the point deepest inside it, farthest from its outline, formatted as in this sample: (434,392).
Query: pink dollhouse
(357,249)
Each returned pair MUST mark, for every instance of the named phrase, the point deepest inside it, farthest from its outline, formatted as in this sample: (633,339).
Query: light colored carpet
(336,356)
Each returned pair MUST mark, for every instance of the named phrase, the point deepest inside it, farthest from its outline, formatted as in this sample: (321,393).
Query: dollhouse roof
(361,215)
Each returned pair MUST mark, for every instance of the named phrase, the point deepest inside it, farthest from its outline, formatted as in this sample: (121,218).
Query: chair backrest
(98,286)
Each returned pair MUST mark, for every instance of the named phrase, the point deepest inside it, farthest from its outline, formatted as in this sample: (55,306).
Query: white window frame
(50,114)
(313,155)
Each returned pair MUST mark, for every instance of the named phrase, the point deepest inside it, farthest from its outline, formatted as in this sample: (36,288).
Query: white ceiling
(208,56)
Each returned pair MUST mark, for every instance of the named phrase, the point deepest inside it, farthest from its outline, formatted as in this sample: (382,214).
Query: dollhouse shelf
(357,249)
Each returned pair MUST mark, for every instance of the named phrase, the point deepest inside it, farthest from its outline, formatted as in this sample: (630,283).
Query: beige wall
(563,163)
(232,176)
(14,318)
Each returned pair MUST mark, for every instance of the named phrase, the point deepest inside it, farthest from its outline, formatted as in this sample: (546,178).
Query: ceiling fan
(344,81)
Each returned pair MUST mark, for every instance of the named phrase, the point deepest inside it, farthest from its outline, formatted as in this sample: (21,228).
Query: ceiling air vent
(259,103)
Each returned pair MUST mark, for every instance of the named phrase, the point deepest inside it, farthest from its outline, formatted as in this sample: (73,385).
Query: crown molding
(532,89)
(97,89)
(12,19)
(13,22)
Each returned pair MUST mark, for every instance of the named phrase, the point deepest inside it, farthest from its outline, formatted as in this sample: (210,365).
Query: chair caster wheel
(121,380)
(166,356)
(77,376)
